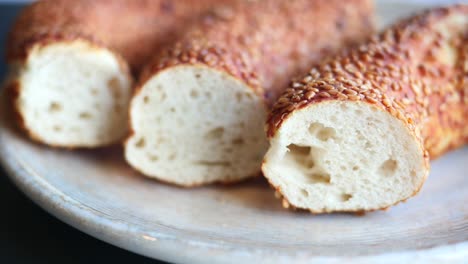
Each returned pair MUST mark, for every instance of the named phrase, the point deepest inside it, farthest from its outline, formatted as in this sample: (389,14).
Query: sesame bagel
(198,112)
(357,133)
(71,63)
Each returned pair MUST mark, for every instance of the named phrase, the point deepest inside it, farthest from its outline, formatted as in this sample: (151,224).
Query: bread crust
(141,28)
(266,43)
(415,70)
(134,29)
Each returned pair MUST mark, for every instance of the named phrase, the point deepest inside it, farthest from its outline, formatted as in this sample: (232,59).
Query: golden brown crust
(265,43)
(132,28)
(407,71)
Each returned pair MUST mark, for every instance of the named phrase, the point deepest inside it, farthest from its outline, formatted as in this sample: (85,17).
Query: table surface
(28,234)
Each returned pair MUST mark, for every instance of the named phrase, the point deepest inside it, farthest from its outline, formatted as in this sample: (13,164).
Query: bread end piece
(344,156)
(195,125)
(72,94)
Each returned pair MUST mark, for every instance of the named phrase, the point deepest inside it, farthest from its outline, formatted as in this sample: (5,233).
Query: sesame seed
(370,100)
(324,94)
(309,95)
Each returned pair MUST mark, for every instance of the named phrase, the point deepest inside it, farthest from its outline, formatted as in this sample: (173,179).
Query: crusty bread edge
(272,128)
(13,87)
(147,77)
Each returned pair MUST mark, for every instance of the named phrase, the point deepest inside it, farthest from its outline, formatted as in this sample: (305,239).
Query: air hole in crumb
(214,133)
(343,107)
(94,91)
(208,95)
(326,133)
(314,127)
(413,173)
(85,115)
(310,163)
(344,197)
(300,155)
(172,156)
(57,128)
(113,83)
(355,168)
(249,95)
(146,99)
(163,96)
(194,93)
(239,96)
(358,112)
(343,168)
(172,109)
(319,178)
(140,143)
(213,163)
(153,158)
(197,76)
(55,107)
(238,141)
(368,145)
(304,193)
(114,86)
(299,150)
(389,167)
(323,133)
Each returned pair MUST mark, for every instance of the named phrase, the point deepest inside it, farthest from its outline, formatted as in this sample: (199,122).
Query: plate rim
(166,245)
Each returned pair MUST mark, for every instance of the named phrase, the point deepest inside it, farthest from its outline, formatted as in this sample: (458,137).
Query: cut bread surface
(73,94)
(195,125)
(211,125)
(344,156)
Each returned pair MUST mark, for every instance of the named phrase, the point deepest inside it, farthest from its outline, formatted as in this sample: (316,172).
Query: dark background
(27,233)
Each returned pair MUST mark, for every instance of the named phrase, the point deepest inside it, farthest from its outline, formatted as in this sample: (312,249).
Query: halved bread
(198,113)
(357,132)
(73,94)
(344,156)
(71,63)
(189,131)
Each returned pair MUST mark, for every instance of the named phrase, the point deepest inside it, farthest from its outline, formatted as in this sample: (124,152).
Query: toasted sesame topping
(403,71)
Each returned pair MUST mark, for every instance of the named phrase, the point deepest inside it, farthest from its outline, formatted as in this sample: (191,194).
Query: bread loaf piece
(357,132)
(70,61)
(198,112)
